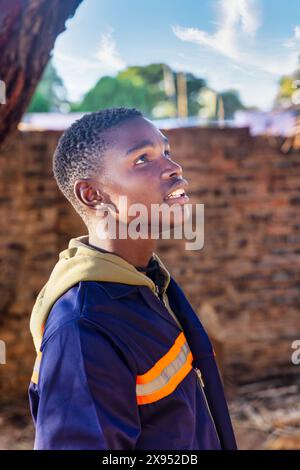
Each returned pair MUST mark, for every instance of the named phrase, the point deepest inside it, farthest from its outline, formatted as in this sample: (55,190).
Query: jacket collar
(194,332)
(117,290)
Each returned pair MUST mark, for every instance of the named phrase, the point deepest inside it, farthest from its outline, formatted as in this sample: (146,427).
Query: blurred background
(221,78)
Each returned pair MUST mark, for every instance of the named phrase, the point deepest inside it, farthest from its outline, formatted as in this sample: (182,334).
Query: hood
(81,262)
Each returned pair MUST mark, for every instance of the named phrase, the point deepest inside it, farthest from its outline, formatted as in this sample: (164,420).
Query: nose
(173,169)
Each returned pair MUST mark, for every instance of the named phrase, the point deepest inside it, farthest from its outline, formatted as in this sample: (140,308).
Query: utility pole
(220,111)
(169,85)
(182,102)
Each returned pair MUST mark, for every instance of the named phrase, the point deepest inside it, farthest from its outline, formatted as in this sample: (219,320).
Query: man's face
(138,165)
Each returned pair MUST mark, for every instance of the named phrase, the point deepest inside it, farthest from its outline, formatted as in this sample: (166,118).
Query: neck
(136,252)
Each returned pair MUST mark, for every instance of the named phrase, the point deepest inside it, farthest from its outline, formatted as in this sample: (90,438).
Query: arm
(87,392)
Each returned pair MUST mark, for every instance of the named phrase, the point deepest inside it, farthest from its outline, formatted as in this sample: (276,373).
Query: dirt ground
(265,415)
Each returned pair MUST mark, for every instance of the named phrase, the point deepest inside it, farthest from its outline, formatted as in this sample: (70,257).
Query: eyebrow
(143,144)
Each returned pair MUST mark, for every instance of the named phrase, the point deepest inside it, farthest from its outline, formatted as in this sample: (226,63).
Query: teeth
(176,193)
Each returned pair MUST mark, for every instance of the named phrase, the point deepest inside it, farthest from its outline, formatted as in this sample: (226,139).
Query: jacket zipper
(167,307)
(200,383)
(198,372)
(157,295)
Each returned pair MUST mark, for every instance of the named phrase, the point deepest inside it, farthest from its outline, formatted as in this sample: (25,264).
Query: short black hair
(80,148)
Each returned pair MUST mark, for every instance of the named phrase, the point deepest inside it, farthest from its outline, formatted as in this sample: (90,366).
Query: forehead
(133,132)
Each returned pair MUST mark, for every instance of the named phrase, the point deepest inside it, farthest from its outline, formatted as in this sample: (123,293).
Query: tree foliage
(142,87)
(231,103)
(50,94)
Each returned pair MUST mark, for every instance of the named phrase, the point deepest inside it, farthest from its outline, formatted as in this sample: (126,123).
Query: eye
(167,153)
(141,156)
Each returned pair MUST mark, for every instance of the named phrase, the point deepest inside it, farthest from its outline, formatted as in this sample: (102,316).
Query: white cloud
(236,18)
(80,74)
(235,38)
(107,54)
(78,62)
(294,40)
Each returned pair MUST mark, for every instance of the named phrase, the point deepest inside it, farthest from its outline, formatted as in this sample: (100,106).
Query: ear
(88,193)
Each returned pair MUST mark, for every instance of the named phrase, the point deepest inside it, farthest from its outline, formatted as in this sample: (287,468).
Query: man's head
(111,153)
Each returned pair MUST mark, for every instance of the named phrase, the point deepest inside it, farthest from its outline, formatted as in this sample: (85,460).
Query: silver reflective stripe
(166,374)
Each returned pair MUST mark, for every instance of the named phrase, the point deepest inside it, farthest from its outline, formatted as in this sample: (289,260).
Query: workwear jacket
(119,367)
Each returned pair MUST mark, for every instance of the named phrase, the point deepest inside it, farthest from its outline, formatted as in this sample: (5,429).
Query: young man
(123,361)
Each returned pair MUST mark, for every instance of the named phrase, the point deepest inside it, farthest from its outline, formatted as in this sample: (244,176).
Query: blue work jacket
(116,372)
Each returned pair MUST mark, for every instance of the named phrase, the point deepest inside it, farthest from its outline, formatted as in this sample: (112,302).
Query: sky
(245,45)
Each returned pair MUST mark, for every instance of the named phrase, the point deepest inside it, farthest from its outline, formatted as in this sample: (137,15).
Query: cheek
(132,186)
(137,186)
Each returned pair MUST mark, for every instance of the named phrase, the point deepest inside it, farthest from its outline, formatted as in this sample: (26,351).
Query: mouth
(177,195)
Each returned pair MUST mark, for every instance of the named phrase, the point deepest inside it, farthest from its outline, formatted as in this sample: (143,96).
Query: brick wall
(244,283)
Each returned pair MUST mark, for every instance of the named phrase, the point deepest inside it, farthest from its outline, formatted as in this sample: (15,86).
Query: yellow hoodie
(81,262)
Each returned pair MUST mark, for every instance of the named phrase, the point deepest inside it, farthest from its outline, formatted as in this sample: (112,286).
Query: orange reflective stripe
(163,362)
(170,386)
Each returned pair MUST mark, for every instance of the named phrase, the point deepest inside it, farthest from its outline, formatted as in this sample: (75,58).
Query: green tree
(288,84)
(194,86)
(231,103)
(142,87)
(151,74)
(50,94)
(139,87)
(118,91)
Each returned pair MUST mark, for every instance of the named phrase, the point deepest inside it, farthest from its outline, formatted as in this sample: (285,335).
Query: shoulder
(93,305)
(73,305)
(72,331)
